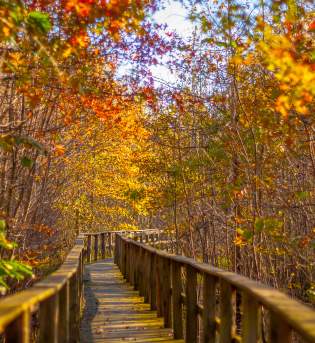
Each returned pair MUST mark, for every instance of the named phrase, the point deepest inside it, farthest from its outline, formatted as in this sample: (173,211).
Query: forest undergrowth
(223,158)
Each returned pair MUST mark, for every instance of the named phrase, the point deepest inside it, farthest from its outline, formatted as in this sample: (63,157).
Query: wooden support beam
(226,312)
(103,246)
(48,320)
(64,314)
(88,249)
(96,247)
(209,308)
(18,331)
(250,319)
(191,305)
(177,308)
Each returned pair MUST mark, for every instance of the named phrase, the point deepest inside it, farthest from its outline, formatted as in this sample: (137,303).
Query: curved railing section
(56,301)
(204,303)
(54,304)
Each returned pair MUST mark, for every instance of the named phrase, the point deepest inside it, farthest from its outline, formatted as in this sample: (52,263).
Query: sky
(175,16)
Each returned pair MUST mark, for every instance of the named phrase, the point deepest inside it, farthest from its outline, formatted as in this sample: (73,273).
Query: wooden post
(95,247)
(133,264)
(18,331)
(159,296)
(191,311)
(280,331)
(123,257)
(103,248)
(166,292)
(63,328)
(74,310)
(226,312)
(176,300)
(147,265)
(209,304)
(80,280)
(88,250)
(250,319)
(141,271)
(48,320)
(136,267)
(127,258)
(153,281)
(110,245)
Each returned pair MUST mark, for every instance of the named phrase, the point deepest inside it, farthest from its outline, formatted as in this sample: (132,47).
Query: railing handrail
(15,310)
(298,316)
(58,296)
(121,231)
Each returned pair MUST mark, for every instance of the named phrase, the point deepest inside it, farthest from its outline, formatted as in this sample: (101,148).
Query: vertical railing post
(226,312)
(147,276)
(123,258)
(63,330)
(166,292)
(250,319)
(127,260)
(136,273)
(48,320)
(103,249)
(209,305)
(116,253)
(110,244)
(141,271)
(132,264)
(19,330)
(74,309)
(159,296)
(191,304)
(96,247)
(88,249)
(280,331)
(153,281)
(176,300)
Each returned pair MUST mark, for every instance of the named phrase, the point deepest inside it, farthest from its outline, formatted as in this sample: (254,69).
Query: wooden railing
(56,301)
(229,308)
(100,245)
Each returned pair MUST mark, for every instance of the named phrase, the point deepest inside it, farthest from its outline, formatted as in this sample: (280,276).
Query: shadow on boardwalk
(114,312)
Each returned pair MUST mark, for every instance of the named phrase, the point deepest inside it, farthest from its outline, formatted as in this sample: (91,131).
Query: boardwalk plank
(114,311)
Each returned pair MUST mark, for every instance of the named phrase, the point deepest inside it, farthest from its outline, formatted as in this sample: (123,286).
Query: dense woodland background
(223,159)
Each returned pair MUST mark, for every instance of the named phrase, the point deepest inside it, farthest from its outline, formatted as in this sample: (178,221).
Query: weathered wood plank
(226,312)
(48,320)
(209,308)
(191,305)
(95,247)
(115,312)
(176,300)
(18,331)
(291,313)
(250,319)
(64,314)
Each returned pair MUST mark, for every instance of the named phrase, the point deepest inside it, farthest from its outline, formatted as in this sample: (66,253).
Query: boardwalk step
(114,311)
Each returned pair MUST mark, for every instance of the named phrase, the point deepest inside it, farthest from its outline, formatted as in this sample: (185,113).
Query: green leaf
(27,162)
(39,21)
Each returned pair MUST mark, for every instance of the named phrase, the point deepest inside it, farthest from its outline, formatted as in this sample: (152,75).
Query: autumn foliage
(223,159)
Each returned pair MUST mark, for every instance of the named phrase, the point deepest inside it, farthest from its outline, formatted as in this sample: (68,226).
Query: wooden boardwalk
(114,312)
